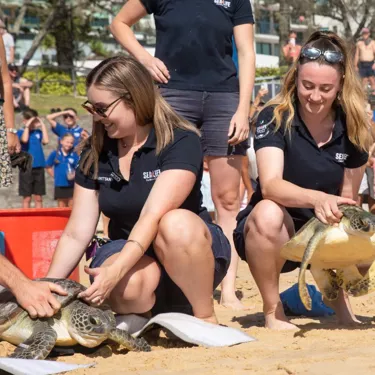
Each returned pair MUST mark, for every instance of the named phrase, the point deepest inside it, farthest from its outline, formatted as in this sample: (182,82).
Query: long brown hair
(352,97)
(130,80)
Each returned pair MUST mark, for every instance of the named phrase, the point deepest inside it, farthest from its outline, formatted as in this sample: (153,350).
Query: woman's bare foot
(210,319)
(343,310)
(275,319)
(232,302)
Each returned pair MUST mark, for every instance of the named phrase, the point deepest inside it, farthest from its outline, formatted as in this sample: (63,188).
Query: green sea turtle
(76,322)
(334,253)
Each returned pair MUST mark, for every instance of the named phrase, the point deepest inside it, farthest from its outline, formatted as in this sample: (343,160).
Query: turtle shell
(10,309)
(339,247)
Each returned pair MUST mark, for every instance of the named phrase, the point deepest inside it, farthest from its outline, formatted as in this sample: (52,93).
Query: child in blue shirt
(70,119)
(61,165)
(33,136)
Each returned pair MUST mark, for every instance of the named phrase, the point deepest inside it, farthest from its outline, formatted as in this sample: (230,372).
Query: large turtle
(76,322)
(334,253)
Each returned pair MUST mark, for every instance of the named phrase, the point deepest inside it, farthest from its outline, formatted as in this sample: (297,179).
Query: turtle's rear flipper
(39,344)
(366,285)
(124,338)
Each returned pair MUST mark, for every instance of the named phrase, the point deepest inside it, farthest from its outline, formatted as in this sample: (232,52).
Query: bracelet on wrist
(139,245)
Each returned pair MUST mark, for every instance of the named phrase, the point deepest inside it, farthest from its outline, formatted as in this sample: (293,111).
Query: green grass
(44,103)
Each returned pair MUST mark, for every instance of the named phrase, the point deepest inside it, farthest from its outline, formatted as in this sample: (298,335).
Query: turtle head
(360,222)
(90,326)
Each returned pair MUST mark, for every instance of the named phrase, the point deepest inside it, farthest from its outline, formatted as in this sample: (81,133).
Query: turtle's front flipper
(309,252)
(348,277)
(326,281)
(39,344)
(366,285)
(124,338)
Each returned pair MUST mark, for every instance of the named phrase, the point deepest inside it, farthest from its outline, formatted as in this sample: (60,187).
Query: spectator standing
(61,165)
(70,118)
(364,59)
(8,41)
(198,78)
(291,50)
(33,136)
(21,89)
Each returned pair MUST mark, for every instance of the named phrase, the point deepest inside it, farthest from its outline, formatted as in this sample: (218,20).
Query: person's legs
(62,203)
(38,200)
(183,247)
(225,175)
(135,293)
(26,97)
(267,228)
(26,201)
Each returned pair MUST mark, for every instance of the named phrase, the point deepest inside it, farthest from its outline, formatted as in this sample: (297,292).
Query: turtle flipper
(366,285)
(309,252)
(348,277)
(124,338)
(39,344)
(326,281)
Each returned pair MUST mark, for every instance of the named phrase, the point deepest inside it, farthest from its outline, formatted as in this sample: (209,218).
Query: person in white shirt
(8,42)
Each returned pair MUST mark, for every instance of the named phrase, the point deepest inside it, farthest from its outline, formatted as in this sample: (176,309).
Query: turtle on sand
(334,253)
(76,322)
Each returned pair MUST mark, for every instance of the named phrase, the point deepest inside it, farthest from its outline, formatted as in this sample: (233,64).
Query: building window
(264,48)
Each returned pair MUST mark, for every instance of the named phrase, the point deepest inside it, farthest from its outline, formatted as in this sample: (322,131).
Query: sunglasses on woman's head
(312,53)
(99,111)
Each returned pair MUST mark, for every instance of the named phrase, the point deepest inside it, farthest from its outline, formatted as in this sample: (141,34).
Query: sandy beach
(320,347)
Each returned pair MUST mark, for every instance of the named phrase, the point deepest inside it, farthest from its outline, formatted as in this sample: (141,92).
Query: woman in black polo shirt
(310,145)
(194,67)
(142,168)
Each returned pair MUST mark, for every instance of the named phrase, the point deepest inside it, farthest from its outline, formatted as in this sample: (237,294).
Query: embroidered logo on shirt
(151,176)
(37,136)
(222,3)
(71,160)
(341,157)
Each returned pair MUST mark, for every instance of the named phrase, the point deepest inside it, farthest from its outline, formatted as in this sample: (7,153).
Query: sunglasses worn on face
(332,57)
(68,116)
(99,111)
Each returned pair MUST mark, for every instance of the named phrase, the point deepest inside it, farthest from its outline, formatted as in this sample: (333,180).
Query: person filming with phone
(291,50)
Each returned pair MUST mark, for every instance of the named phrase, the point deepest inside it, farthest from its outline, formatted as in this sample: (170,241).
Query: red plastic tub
(31,236)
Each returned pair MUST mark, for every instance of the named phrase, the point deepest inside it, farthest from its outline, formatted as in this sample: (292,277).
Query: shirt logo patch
(104,178)
(37,136)
(261,131)
(341,157)
(222,3)
(151,176)
(77,135)
(71,160)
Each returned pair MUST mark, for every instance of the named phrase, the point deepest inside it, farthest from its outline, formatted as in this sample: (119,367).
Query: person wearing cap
(21,89)
(364,59)
(8,42)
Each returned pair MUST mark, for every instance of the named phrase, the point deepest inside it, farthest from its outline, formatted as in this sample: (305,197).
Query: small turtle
(341,248)
(76,322)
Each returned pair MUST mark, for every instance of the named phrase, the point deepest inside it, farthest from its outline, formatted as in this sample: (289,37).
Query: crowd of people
(160,123)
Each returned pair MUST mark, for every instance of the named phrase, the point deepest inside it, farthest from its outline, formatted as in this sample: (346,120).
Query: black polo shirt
(306,164)
(194,40)
(122,201)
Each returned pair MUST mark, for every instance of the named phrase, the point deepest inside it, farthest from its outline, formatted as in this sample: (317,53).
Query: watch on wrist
(12,130)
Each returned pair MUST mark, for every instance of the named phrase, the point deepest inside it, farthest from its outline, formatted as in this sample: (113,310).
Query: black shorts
(63,192)
(365,69)
(211,113)
(32,182)
(169,297)
(239,243)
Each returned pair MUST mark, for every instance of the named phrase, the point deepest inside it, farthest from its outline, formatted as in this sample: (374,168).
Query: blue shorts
(169,297)
(365,69)
(211,113)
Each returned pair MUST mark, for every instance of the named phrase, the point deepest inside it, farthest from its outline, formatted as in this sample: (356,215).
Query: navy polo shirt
(306,164)
(121,200)
(61,164)
(34,147)
(194,40)
(61,130)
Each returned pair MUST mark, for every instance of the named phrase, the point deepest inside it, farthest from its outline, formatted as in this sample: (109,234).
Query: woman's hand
(14,145)
(157,68)
(327,208)
(105,279)
(239,128)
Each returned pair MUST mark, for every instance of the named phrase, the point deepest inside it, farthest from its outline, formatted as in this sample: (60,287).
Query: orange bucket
(31,236)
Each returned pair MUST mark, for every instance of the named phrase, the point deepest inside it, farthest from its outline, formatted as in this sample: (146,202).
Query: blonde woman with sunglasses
(310,143)
(142,168)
